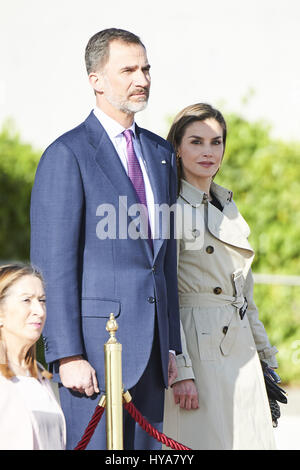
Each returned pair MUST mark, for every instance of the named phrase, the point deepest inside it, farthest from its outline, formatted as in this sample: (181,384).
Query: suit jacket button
(217,290)
(195,233)
(151,300)
(210,249)
(225,329)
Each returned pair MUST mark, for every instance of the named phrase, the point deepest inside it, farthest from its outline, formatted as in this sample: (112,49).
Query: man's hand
(77,373)
(172,369)
(186,395)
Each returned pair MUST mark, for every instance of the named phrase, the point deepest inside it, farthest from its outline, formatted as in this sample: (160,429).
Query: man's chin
(135,107)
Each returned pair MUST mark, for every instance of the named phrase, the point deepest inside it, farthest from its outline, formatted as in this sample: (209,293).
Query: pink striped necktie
(136,176)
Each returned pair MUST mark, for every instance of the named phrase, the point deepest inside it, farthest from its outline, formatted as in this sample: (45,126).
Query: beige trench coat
(220,350)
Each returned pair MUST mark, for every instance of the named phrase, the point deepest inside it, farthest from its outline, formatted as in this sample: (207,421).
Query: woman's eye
(43,300)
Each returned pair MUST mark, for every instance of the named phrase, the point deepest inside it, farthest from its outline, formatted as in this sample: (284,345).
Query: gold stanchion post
(114,388)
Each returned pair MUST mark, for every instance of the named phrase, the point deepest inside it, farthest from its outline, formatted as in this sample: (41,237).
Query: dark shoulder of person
(215,202)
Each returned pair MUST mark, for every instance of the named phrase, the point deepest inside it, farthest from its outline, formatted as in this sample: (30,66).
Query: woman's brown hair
(190,114)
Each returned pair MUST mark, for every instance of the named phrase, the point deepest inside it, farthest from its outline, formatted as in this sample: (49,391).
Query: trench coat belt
(208,300)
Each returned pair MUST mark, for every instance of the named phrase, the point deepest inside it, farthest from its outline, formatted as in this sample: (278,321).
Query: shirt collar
(112,127)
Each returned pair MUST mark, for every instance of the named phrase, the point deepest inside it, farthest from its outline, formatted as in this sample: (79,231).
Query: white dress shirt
(115,133)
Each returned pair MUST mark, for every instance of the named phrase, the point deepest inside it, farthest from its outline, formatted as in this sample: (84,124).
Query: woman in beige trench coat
(219,400)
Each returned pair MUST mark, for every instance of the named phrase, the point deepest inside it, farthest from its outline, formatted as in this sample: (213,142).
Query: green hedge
(279,308)
(18,163)
(264,174)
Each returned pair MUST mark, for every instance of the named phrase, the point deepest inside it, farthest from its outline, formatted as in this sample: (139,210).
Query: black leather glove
(274,392)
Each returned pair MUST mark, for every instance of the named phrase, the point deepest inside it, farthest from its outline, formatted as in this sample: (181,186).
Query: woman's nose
(38,307)
(207,151)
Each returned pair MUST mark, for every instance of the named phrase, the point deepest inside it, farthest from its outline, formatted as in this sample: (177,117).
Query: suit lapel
(110,164)
(151,151)
(108,160)
(153,157)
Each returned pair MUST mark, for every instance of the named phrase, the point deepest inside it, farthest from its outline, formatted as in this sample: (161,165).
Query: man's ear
(96,81)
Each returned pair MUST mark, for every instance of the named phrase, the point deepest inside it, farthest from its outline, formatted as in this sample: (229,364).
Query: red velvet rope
(90,428)
(136,415)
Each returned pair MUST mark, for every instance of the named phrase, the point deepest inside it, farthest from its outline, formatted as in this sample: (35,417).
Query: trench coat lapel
(228,226)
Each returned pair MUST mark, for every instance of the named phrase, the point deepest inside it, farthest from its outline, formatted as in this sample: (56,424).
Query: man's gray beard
(127,106)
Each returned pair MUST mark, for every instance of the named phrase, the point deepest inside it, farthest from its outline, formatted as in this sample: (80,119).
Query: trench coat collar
(228,226)
(195,196)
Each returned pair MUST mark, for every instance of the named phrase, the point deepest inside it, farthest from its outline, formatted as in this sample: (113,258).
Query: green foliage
(279,308)
(18,162)
(264,175)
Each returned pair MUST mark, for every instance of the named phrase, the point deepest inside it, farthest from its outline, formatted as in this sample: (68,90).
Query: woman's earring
(178,157)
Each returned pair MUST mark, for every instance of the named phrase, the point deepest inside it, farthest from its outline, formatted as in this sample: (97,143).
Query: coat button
(151,300)
(195,233)
(154,269)
(210,249)
(217,290)
(225,329)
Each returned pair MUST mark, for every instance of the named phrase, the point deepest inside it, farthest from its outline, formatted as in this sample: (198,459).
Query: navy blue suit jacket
(87,278)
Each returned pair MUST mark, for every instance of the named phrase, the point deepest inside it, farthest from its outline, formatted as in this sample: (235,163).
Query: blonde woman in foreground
(219,400)
(31,418)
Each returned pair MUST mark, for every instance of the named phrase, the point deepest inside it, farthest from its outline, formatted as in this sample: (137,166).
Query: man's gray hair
(97,49)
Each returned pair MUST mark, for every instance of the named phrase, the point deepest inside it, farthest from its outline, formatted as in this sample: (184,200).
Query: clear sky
(211,51)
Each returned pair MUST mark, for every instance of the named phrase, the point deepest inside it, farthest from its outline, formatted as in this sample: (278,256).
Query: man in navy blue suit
(98,254)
